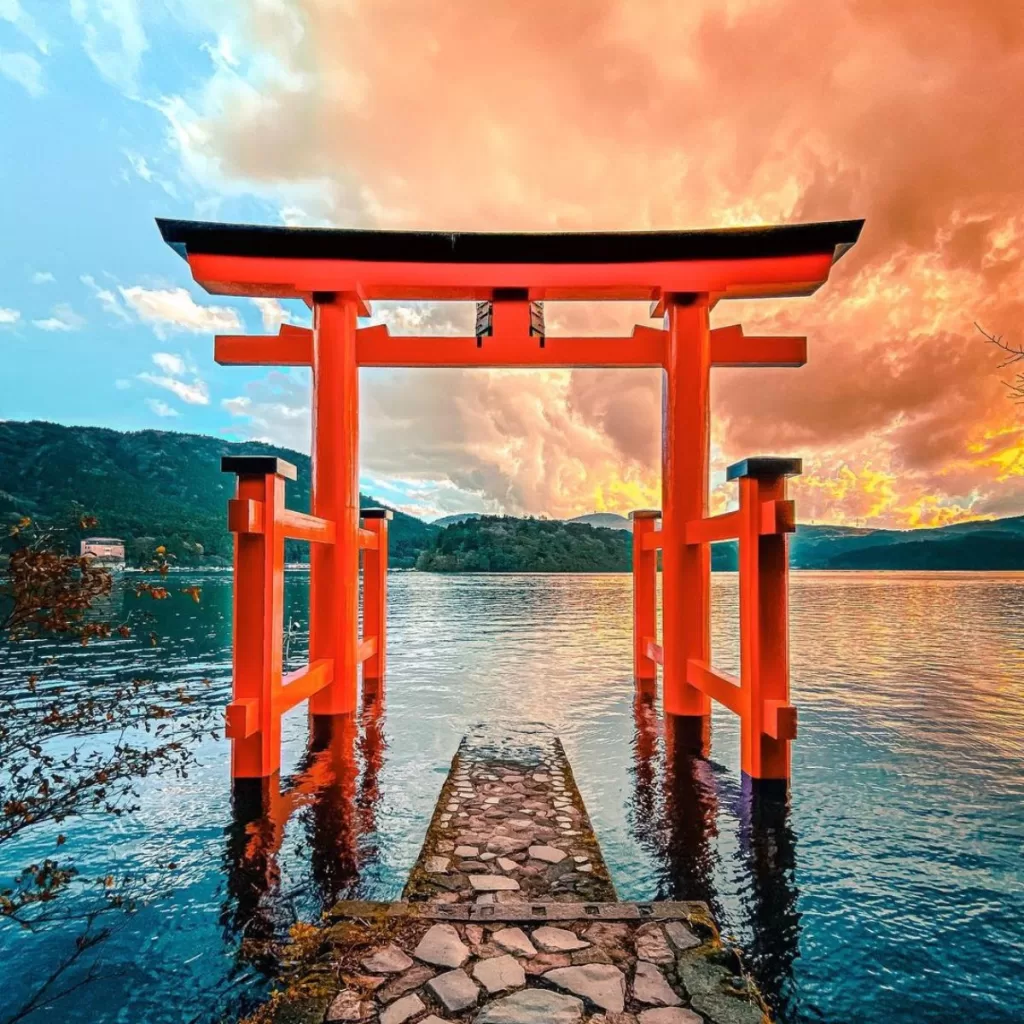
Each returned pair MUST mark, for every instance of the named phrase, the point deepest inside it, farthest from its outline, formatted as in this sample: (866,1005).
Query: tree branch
(1015,355)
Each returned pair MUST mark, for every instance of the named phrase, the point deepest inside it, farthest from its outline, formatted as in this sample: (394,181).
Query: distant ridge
(152,487)
(607,520)
(156,487)
(458,517)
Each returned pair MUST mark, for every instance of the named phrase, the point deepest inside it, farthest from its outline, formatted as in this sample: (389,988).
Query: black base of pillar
(688,735)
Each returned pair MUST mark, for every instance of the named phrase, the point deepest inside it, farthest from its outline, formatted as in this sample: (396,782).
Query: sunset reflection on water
(888,887)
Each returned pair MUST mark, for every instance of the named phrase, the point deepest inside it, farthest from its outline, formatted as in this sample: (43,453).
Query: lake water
(890,889)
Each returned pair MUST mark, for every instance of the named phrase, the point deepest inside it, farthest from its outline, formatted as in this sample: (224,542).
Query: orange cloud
(626,114)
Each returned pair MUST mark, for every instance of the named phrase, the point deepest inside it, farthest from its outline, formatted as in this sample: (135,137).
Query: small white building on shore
(105,550)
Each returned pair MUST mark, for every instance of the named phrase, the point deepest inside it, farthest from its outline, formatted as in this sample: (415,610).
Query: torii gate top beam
(283,262)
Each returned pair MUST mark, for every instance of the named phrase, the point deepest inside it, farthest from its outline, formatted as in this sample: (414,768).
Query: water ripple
(888,889)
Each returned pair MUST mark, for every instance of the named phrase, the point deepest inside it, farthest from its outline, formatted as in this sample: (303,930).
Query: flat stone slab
(601,984)
(557,940)
(405,982)
(551,854)
(499,973)
(454,990)
(402,1010)
(680,936)
(346,1006)
(652,945)
(493,883)
(442,946)
(389,960)
(515,940)
(532,1006)
(651,988)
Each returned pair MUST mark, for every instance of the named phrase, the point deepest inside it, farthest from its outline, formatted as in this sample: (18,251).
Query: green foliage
(71,752)
(151,488)
(506,544)
(155,488)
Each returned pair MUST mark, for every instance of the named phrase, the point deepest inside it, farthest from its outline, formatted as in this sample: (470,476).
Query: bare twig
(69,751)
(1014,355)
(48,993)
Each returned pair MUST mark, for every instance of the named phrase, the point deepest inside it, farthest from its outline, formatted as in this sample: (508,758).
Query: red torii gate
(683,274)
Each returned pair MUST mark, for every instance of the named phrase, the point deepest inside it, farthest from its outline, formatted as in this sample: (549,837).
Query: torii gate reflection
(683,274)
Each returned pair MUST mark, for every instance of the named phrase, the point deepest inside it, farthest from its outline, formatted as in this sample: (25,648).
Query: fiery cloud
(621,114)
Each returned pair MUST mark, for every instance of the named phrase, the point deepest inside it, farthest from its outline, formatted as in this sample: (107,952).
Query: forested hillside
(507,544)
(151,487)
(156,487)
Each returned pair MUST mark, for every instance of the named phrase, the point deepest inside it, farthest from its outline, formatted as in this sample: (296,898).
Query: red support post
(375,595)
(334,569)
(686,569)
(645,594)
(252,722)
(767,722)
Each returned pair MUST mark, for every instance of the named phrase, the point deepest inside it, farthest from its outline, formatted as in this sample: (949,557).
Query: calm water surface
(890,889)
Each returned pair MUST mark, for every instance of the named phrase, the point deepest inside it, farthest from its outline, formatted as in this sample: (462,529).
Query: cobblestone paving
(575,971)
(510,917)
(510,825)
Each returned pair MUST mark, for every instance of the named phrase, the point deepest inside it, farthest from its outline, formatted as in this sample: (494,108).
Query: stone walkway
(510,917)
(510,825)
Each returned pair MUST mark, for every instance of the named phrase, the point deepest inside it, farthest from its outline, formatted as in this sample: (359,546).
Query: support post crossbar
(645,593)
(375,594)
(760,695)
(514,347)
(261,692)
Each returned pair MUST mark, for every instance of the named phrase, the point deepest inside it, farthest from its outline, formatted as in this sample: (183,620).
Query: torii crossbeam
(683,274)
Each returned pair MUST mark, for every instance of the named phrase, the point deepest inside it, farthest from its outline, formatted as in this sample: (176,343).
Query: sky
(528,115)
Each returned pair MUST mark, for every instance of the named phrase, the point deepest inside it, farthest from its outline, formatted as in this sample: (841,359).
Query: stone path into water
(510,917)
(510,825)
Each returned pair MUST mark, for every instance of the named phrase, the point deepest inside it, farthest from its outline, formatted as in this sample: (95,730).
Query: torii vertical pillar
(334,568)
(686,570)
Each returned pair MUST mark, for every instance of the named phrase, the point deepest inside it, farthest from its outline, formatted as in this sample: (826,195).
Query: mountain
(972,545)
(459,517)
(996,544)
(156,487)
(152,487)
(607,520)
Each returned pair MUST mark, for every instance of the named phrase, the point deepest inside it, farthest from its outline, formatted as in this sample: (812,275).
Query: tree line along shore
(155,488)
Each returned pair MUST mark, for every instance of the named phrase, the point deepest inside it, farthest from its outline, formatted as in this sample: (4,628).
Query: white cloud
(170,363)
(223,54)
(43,277)
(24,69)
(174,368)
(273,314)
(64,318)
(114,39)
(11,11)
(161,408)
(142,169)
(174,309)
(9,316)
(276,409)
(194,393)
(107,299)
